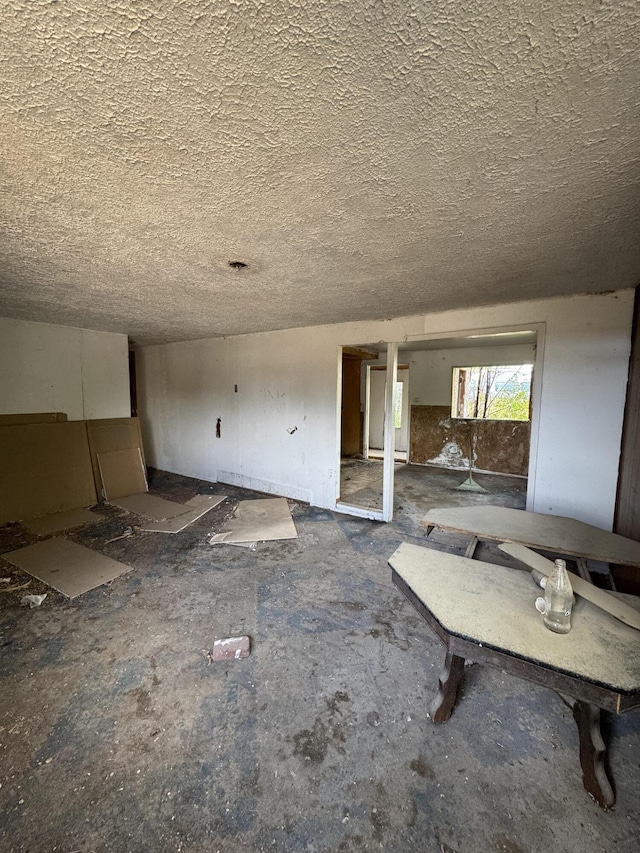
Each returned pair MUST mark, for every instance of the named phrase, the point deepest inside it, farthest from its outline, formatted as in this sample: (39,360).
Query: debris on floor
(231,648)
(15,588)
(56,522)
(128,531)
(258,521)
(33,600)
(66,566)
(190,511)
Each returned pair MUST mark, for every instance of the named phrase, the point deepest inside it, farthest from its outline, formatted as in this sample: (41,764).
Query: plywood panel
(200,505)
(122,473)
(151,506)
(70,568)
(33,418)
(258,521)
(108,434)
(45,525)
(44,468)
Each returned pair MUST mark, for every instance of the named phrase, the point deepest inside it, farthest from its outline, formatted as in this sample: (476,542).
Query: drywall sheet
(70,568)
(122,473)
(45,468)
(33,418)
(109,434)
(45,525)
(150,506)
(258,521)
(179,522)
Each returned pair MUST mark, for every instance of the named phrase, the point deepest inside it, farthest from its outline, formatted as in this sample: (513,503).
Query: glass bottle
(558,600)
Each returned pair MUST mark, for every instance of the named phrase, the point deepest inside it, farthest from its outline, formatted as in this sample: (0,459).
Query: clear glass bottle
(558,600)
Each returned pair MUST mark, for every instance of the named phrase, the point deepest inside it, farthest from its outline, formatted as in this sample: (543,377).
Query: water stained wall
(438,439)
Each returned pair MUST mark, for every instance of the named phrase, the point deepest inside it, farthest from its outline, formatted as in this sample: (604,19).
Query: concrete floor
(424,485)
(117,735)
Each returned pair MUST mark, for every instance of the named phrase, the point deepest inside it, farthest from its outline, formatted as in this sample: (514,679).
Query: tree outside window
(492,392)
(397,406)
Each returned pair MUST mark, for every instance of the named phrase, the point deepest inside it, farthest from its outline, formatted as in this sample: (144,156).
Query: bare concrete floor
(117,735)
(426,486)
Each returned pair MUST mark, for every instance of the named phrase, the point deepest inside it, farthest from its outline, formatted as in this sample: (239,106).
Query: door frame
(386,514)
(540,329)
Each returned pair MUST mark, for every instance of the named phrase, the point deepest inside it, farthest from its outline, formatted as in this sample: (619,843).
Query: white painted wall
(378,379)
(431,370)
(59,369)
(289,379)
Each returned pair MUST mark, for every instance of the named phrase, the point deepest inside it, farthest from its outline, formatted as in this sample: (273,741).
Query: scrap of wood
(600,597)
(15,588)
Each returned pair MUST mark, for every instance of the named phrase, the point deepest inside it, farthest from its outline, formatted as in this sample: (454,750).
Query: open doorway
(463,408)
(377,379)
(361,483)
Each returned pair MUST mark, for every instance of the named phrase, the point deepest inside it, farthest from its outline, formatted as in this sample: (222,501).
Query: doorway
(377,379)
(365,485)
(431,426)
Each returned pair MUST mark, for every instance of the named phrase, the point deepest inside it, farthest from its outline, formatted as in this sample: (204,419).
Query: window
(397,406)
(492,392)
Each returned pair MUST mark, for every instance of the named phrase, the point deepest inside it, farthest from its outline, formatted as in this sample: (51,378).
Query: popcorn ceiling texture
(367,159)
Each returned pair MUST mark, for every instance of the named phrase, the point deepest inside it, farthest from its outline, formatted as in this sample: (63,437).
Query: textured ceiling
(365,159)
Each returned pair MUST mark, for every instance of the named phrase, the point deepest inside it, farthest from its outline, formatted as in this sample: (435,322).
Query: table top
(493,606)
(554,533)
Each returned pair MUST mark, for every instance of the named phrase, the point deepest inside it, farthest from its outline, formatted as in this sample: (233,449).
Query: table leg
(450,681)
(592,754)
(583,569)
(471,548)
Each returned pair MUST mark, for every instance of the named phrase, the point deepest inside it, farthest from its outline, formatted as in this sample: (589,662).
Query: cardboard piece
(70,568)
(57,521)
(33,418)
(179,522)
(46,468)
(258,521)
(150,506)
(108,434)
(122,473)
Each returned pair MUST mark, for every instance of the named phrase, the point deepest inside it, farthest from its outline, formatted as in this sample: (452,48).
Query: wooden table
(556,534)
(486,613)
